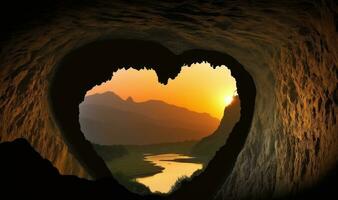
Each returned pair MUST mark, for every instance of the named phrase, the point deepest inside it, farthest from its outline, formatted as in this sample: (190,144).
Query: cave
(282,54)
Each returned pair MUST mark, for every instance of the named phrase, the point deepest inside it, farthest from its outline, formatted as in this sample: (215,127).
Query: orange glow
(198,88)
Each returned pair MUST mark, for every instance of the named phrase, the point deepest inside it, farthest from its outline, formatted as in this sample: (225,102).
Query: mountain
(108,119)
(210,144)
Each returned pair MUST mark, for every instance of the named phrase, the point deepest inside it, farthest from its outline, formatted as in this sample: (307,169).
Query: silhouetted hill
(210,144)
(108,119)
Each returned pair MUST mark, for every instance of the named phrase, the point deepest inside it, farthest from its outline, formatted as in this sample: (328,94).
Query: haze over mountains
(108,119)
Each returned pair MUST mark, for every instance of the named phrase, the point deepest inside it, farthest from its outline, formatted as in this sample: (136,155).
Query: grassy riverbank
(127,163)
(133,165)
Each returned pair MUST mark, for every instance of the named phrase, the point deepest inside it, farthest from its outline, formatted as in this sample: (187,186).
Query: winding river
(163,181)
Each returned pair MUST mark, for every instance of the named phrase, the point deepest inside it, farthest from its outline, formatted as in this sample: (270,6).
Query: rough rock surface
(289,48)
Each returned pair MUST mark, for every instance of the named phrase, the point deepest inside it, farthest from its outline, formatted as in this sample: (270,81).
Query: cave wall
(302,145)
(289,48)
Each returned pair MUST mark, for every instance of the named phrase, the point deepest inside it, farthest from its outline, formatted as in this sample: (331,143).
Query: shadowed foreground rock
(23,172)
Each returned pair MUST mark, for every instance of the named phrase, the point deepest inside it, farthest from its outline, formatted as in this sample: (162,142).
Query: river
(163,181)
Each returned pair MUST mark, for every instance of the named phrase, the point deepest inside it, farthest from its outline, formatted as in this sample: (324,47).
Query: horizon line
(110,91)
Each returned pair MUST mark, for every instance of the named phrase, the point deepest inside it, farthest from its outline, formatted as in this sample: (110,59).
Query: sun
(228,100)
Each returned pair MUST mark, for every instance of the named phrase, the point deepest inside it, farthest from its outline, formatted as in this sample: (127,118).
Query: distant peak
(130,99)
(106,95)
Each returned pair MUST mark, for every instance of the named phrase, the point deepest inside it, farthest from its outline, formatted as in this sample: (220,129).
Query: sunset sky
(198,88)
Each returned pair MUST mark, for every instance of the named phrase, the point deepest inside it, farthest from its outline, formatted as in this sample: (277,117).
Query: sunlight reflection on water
(163,181)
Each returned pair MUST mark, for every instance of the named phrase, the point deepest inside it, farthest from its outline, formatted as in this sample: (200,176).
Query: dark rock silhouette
(210,144)
(23,172)
(107,119)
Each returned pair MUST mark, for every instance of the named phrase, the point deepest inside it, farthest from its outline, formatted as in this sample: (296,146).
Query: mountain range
(108,119)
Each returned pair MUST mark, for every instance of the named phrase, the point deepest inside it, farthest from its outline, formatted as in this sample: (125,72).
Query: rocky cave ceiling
(289,49)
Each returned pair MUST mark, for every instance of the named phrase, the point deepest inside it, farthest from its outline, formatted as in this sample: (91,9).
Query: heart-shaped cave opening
(94,63)
(152,136)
